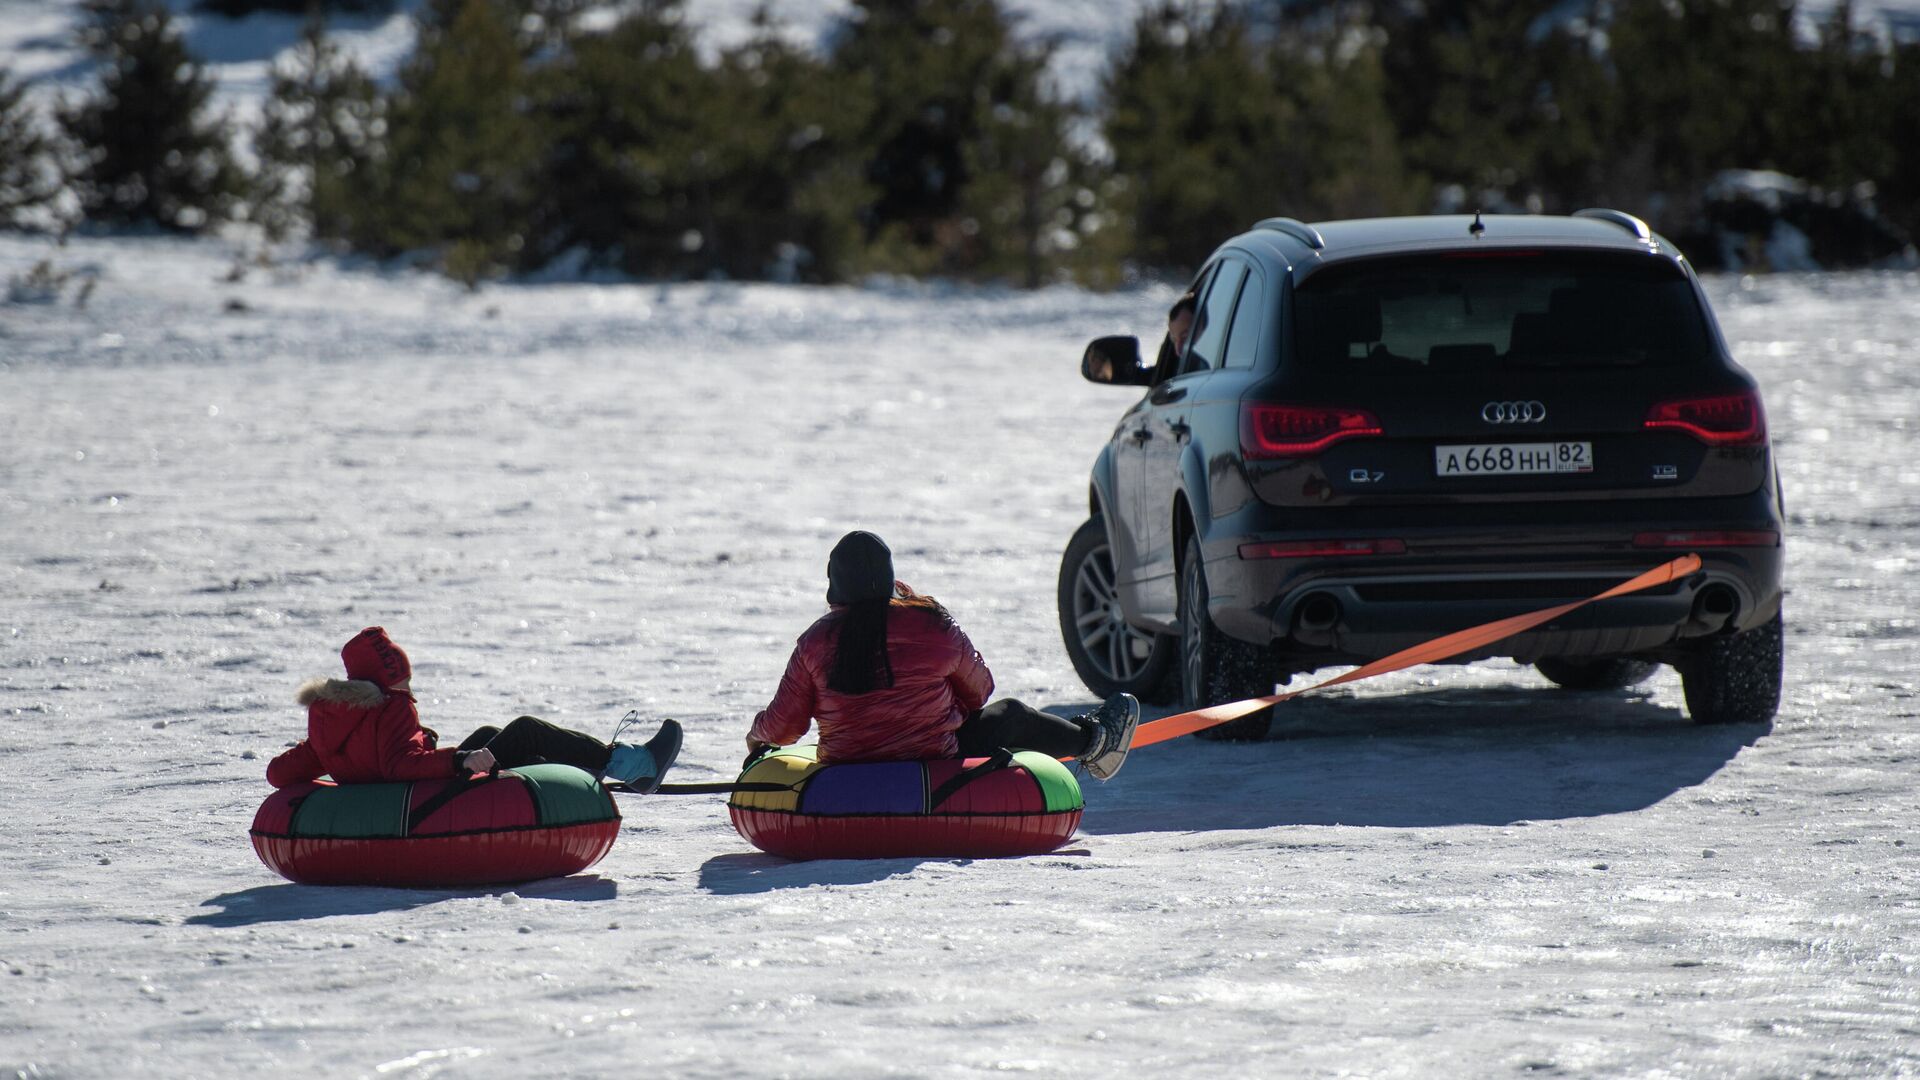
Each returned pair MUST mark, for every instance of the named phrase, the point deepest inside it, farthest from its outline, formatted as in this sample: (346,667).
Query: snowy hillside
(574,500)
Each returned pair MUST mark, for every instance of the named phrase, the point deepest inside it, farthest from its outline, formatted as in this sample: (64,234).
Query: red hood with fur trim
(360,734)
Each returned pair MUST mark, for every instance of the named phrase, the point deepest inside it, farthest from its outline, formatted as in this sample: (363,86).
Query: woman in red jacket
(889,676)
(365,729)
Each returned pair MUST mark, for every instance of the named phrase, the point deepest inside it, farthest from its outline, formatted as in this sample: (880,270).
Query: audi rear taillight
(1277,431)
(1722,420)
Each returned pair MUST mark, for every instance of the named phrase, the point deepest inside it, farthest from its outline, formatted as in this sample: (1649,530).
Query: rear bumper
(1326,610)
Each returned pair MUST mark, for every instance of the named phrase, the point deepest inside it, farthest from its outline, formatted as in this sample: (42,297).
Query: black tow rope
(1000,759)
(729,788)
(720,789)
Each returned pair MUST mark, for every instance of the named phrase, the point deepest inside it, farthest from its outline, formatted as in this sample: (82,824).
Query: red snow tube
(515,825)
(1026,804)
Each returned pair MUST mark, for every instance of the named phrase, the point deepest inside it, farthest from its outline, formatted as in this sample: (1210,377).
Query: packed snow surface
(575,500)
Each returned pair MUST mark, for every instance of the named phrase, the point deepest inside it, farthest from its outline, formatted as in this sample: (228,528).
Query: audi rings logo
(1513,412)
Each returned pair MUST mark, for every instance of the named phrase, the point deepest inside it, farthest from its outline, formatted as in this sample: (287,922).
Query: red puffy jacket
(938,680)
(360,734)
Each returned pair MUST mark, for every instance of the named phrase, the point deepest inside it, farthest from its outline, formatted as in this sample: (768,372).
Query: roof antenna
(1478,226)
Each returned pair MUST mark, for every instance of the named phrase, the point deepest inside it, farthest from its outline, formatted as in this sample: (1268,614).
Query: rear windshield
(1552,310)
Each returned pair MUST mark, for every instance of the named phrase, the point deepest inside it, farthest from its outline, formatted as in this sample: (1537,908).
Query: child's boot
(640,768)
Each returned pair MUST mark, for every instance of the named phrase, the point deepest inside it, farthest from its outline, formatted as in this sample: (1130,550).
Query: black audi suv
(1384,430)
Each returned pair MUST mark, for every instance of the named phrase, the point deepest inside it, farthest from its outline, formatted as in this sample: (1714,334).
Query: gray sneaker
(1113,725)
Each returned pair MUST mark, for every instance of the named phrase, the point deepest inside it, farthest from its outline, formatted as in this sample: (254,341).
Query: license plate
(1513,459)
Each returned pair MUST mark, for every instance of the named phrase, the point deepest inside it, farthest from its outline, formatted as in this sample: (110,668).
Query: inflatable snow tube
(1019,804)
(514,825)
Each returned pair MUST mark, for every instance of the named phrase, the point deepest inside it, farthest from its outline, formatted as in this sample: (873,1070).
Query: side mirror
(1113,361)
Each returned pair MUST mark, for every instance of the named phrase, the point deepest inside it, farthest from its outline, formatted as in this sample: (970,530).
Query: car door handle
(1179,428)
(1141,434)
(1168,393)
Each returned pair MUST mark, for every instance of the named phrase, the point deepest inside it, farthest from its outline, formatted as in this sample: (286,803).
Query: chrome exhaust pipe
(1713,609)
(1314,619)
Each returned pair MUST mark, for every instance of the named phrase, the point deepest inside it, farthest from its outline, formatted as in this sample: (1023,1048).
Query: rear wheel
(1616,673)
(1736,679)
(1215,668)
(1110,656)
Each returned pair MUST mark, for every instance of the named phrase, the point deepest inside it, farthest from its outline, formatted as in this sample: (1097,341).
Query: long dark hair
(860,661)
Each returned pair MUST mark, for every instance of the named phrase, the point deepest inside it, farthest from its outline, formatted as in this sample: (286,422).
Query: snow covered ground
(573,500)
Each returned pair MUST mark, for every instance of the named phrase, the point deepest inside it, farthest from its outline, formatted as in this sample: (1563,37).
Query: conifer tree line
(926,137)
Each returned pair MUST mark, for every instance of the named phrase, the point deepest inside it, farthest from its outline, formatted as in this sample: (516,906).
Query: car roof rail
(1295,228)
(1618,217)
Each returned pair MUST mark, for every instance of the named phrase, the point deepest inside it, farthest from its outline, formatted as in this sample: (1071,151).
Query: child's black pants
(529,740)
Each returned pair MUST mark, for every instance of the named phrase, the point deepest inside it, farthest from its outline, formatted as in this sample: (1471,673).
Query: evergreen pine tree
(1193,135)
(1575,156)
(947,93)
(317,143)
(1899,186)
(1464,89)
(26,155)
(781,130)
(1031,193)
(1834,137)
(237,9)
(1702,85)
(461,149)
(628,169)
(1342,155)
(151,156)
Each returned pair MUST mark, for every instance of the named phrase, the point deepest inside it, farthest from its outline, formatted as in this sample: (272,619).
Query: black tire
(1614,673)
(1215,668)
(1736,679)
(1110,656)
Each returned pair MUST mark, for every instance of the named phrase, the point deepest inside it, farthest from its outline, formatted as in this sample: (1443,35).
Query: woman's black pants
(1019,726)
(530,740)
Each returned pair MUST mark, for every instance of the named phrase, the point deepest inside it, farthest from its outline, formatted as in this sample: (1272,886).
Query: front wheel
(1215,668)
(1736,679)
(1110,656)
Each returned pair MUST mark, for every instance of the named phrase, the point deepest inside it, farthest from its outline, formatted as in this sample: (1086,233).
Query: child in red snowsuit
(366,729)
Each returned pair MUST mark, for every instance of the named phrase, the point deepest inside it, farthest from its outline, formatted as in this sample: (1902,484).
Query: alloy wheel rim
(1118,650)
(1192,640)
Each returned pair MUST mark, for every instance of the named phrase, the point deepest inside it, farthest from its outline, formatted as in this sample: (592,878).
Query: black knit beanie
(860,568)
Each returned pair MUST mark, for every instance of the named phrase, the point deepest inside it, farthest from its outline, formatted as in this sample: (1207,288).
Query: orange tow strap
(1440,648)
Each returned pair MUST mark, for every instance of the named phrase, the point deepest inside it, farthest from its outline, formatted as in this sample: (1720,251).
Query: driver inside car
(1173,349)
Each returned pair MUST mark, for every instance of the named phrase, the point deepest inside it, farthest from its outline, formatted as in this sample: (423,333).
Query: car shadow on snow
(752,872)
(1445,756)
(294,903)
